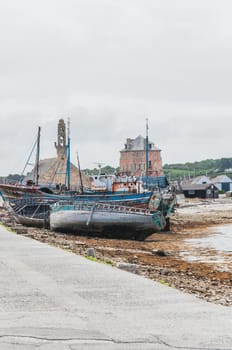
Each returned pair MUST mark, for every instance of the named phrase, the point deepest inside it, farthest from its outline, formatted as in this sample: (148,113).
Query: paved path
(53,299)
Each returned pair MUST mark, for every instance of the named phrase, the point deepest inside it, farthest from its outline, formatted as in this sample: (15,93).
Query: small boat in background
(112,183)
(105,220)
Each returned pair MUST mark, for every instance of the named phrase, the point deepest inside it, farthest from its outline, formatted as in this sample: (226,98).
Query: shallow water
(215,248)
(221,238)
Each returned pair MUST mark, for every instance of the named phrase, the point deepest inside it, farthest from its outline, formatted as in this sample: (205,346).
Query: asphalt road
(53,299)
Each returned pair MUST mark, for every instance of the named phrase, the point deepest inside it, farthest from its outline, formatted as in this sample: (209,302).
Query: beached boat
(105,220)
(29,213)
(23,192)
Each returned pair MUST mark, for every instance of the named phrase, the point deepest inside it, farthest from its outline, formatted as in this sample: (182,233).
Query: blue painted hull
(24,192)
(132,198)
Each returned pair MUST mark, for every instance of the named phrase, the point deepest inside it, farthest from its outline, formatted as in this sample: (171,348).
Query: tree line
(209,167)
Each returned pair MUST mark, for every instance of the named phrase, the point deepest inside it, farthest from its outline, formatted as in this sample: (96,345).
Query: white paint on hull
(83,220)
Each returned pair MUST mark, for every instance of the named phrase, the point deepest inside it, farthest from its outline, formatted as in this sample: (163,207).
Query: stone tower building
(61,146)
(133,158)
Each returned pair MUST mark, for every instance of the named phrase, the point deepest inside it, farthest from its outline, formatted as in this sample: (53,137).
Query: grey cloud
(110,64)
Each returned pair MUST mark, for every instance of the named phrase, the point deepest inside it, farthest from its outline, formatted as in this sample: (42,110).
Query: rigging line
(57,167)
(19,162)
(80,174)
(28,159)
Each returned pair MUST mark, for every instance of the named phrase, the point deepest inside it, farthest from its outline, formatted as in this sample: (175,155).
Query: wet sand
(163,257)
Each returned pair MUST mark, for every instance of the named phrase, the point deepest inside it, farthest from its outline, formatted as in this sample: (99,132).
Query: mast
(79,169)
(146,152)
(36,165)
(36,174)
(37,157)
(68,157)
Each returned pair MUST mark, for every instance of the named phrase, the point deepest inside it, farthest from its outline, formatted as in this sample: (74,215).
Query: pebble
(91,252)
(134,268)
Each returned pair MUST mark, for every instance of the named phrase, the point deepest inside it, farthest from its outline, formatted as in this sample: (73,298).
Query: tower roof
(139,144)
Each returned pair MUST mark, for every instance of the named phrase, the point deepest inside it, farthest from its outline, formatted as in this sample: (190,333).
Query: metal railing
(70,205)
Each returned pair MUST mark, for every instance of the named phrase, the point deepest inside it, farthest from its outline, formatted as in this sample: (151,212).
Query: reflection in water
(215,249)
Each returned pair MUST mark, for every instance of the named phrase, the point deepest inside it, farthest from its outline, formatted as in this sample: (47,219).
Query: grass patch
(92,258)
(9,229)
(107,262)
(66,249)
(165,283)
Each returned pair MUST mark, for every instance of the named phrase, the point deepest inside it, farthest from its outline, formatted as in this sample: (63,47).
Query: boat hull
(116,222)
(29,213)
(31,222)
(23,192)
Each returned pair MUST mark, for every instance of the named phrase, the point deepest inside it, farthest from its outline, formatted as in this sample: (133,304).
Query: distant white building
(200,180)
(223,183)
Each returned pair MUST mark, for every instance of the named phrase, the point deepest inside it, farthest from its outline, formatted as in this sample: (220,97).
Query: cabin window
(191,192)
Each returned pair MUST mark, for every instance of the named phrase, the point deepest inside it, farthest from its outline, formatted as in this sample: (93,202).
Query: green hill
(209,167)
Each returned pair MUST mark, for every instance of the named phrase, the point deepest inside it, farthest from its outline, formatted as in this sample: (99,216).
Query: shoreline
(159,256)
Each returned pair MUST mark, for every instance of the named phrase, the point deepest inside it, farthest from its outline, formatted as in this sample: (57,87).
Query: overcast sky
(110,64)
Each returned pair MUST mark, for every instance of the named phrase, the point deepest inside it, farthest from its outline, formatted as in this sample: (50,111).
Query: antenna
(99,167)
